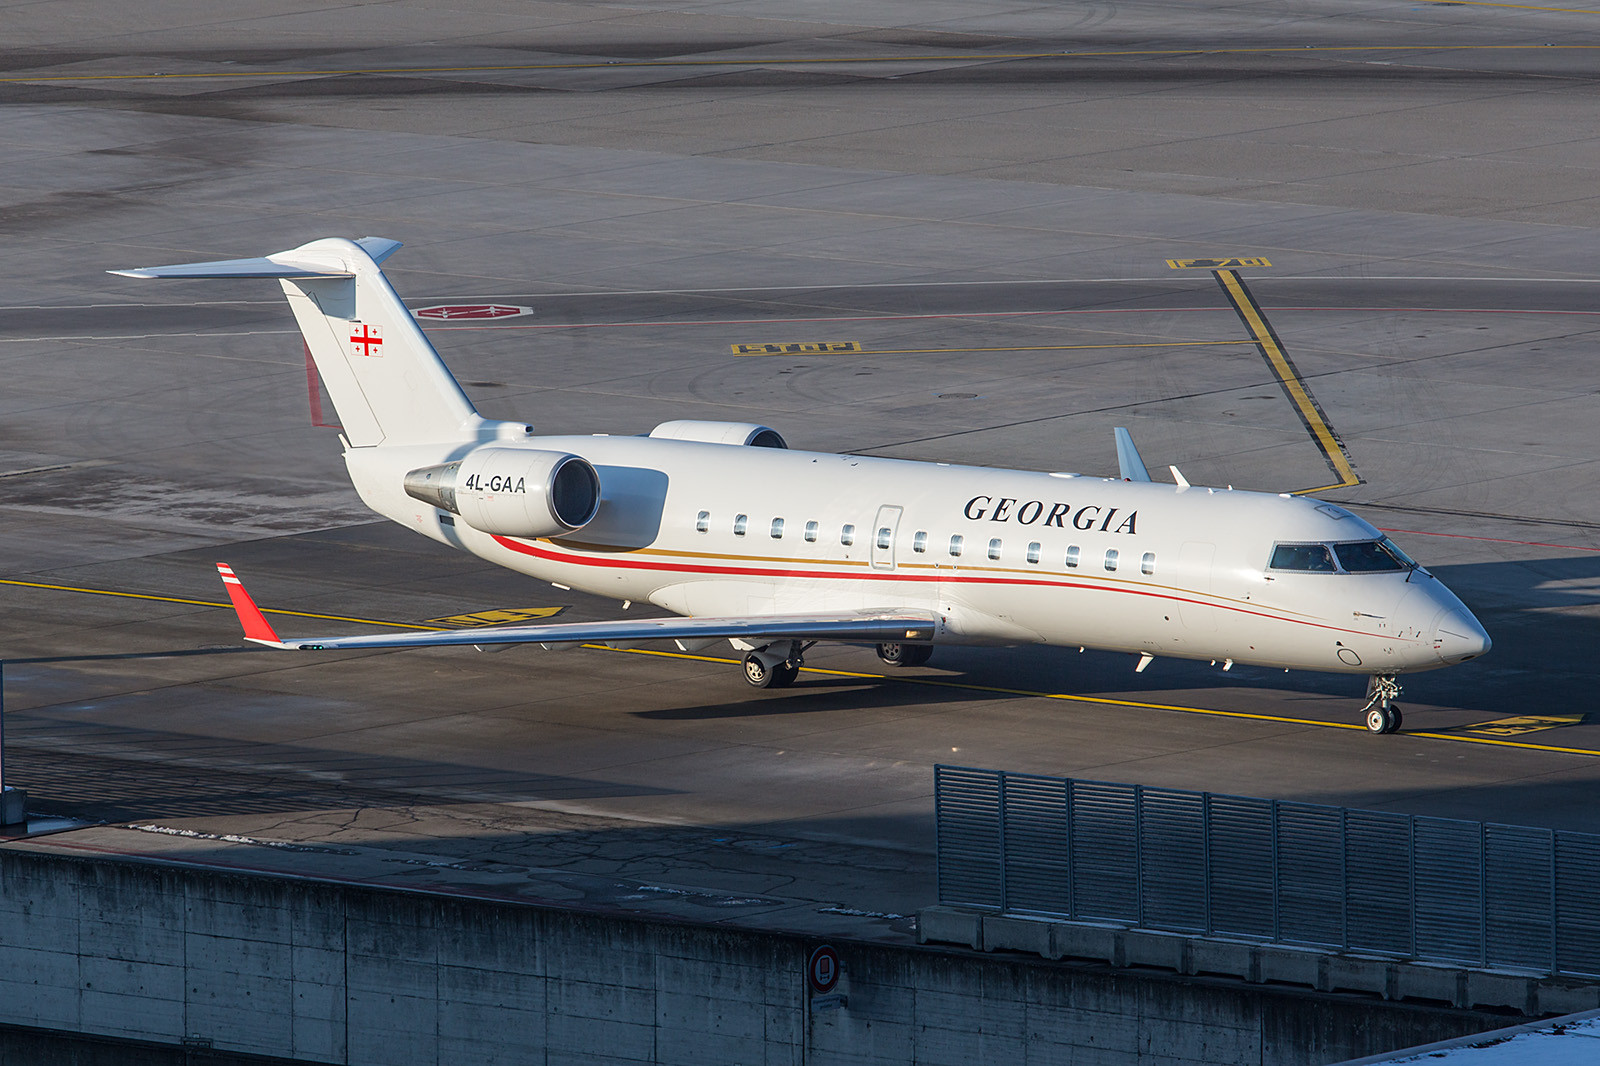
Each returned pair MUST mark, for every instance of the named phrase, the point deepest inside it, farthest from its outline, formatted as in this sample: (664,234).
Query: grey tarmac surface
(983,197)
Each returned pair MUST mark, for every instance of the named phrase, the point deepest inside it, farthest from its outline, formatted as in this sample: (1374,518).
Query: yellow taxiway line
(1305,404)
(935,682)
(1108,702)
(212,603)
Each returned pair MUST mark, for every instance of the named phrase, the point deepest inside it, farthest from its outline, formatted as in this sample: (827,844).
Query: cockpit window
(1372,556)
(1309,557)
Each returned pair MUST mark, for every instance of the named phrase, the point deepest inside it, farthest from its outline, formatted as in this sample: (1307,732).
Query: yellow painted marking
(933,681)
(1107,702)
(211,603)
(1055,347)
(1528,723)
(752,349)
(796,348)
(500,617)
(979,57)
(1518,7)
(1216,264)
(1298,393)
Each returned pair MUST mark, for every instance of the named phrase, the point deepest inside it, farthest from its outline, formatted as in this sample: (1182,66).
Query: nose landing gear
(1383,714)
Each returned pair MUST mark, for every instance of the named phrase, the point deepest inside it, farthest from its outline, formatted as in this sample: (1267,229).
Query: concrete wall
(336,973)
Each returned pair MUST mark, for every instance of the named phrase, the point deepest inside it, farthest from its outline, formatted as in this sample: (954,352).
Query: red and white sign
(365,339)
(455,311)
(823,969)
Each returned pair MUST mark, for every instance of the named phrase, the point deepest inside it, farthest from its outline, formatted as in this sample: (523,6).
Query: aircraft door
(883,537)
(1194,571)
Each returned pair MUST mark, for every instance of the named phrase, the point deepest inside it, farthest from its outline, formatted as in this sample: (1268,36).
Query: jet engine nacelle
(747,433)
(513,492)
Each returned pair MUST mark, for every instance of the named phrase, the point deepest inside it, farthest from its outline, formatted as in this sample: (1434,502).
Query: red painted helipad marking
(453,311)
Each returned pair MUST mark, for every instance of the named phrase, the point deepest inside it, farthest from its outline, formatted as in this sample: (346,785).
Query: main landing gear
(1383,714)
(776,665)
(904,654)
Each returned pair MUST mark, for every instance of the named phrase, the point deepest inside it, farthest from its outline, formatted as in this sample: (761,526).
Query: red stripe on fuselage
(953,577)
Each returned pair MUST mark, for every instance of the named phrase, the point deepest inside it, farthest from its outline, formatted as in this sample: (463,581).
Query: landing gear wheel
(783,674)
(1382,713)
(904,654)
(1384,719)
(758,673)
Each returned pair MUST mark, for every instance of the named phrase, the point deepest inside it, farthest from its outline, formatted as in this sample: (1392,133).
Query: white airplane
(774,549)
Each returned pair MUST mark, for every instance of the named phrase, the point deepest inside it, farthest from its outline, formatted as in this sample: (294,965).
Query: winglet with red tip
(256,627)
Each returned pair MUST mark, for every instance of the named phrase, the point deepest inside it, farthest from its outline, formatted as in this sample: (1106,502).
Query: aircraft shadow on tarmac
(1542,663)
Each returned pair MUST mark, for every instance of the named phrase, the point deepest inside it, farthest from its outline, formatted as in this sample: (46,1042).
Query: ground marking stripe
(937,682)
(1001,348)
(779,61)
(1105,701)
(1272,351)
(210,603)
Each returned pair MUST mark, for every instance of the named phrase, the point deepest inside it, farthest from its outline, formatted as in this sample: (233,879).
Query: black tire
(1395,718)
(1377,720)
(783,674)
(757,673)
(904,654)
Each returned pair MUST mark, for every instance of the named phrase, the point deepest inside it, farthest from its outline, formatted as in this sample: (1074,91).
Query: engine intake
(513,492)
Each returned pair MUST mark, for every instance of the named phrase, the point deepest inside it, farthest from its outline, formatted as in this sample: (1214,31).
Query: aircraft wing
(887,626)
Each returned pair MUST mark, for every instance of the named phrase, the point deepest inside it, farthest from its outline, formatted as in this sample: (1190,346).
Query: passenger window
(847,535)
(1111,559)
(1033,552)
(739,522)
(955,544)
(1147,565)
(994,548)
(811,532)
(919,543)
(702,522)
(885,536)
(777,529)
(1072,557)
(1306,557)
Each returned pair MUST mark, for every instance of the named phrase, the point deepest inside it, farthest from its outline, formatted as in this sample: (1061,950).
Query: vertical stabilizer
(386,381)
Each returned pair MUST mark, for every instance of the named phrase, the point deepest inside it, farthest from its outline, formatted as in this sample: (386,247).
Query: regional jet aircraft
(774,549)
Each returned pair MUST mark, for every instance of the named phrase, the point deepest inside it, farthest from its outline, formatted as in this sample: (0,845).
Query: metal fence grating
(1437,889)
(1038,875)
(966,807)
(1310,875)
(1377,862)
(1104,851)
(1577,903)
(1172,860)
(1448,859)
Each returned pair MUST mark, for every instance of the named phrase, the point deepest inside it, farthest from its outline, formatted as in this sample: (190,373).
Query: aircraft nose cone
(1457,636)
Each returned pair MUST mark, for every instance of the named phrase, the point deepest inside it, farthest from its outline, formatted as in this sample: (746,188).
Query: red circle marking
(823,969)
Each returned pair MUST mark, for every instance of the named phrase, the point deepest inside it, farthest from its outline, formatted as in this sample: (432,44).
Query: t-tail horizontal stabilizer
(386,381)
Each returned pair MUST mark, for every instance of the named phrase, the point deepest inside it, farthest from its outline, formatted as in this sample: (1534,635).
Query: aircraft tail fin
(1128,461)
(384,377)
